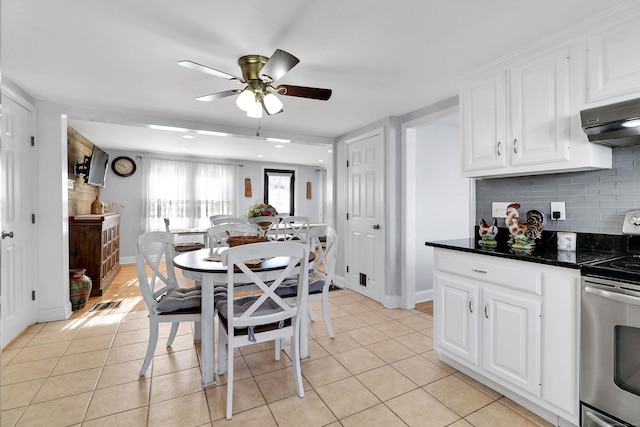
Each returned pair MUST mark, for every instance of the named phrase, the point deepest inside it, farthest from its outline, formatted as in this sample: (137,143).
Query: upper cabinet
(520,115)
(614,64)
(517,116)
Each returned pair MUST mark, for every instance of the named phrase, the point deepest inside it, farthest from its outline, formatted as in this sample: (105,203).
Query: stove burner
(626,264)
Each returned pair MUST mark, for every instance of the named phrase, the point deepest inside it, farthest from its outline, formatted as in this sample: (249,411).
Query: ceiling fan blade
(304,92)
(218,95)
(277,66)
(208,70)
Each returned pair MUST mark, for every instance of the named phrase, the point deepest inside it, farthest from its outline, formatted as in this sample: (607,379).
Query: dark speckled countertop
(591,248)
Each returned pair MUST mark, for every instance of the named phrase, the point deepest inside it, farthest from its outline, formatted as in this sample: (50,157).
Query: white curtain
(187,193)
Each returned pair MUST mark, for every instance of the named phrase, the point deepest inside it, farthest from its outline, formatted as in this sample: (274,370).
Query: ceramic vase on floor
(79,288)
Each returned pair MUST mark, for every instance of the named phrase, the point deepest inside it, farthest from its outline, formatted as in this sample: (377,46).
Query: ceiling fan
(259,73)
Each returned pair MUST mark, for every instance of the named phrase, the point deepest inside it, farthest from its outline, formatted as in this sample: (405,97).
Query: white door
(484,126)
(511,338)
(365,245)
(17,196)
(456,316)
(540,110)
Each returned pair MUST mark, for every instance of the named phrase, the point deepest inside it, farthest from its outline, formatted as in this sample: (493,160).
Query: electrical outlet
(558,207)
(499,209)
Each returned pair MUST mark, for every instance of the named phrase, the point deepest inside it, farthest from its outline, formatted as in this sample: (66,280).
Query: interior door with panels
(365,245)
(17,197)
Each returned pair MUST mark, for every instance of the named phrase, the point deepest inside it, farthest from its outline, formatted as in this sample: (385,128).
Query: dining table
(205,267)
(192,232)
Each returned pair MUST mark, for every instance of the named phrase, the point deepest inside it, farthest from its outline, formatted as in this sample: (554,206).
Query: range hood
(614,125)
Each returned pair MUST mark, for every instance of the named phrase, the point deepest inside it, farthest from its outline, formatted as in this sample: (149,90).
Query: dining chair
(295,228)
(230,220)
(270,225)
(323,240)
(165,299)
(218,235)
(246,320)
(182,246)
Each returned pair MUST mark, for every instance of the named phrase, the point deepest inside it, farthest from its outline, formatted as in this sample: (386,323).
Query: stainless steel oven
(610,353)
(610,338)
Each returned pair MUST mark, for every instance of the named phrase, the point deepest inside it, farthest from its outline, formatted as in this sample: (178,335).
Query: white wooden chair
(270,225)
(295,228)
(323,240)
(183,246)
(165,300)
(227,219)
(254,319)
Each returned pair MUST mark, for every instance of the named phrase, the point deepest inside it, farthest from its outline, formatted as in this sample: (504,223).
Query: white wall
(442,198)
(128,192)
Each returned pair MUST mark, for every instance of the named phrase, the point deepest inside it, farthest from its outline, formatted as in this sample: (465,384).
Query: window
(279,191)
(188,193)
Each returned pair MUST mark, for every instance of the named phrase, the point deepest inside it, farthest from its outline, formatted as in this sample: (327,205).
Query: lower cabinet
(513,322)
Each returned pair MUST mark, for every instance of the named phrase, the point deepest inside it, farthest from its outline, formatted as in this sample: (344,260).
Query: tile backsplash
(596,201)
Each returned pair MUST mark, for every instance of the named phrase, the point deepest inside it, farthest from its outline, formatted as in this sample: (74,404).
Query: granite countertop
(591,248)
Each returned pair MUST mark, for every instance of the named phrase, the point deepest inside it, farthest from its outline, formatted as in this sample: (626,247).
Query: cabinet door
(613,63)
(456,316)
(511,338)
(540,131)
(484,123)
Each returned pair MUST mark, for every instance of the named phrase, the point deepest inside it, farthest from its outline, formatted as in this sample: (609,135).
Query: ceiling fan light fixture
(246,100)
(255,111)
(272,103)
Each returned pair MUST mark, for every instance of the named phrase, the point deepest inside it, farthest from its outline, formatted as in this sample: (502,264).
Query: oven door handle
(627,299)
(598,421)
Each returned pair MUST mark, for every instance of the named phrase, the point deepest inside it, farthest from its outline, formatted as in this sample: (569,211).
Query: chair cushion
(289,287)
(181,299)
(240,305)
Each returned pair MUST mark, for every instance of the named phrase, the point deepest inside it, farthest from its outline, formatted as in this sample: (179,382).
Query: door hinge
(347,163)
(33,295)
(347,268)
(347,216)
(33,218)
(33,141)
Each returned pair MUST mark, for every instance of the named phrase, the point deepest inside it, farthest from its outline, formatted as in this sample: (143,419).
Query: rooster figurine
(488,233)
(524,234)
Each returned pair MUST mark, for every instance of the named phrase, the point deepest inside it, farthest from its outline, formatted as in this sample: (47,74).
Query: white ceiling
(381,59)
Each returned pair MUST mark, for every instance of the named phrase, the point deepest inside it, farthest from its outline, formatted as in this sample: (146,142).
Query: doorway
(438,204)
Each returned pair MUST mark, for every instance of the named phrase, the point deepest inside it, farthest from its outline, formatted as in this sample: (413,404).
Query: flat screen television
(94,168)
(98,166)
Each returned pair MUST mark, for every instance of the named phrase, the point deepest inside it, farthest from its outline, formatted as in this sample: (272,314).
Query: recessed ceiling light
(284,141)
(260,155)
(279,146)
(321,161)
(212,133)
(633,123)
(170,128)
(329,151)
(188,136)
(183,148)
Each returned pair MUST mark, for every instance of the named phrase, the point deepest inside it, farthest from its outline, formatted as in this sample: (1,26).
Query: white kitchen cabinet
(518,116)
(513,323)
(511,337)
(501,324)
(457,300)
(613,63)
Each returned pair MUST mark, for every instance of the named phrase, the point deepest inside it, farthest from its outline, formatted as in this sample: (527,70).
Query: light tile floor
(380,370)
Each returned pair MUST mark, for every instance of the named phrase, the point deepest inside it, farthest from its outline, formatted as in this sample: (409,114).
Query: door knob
(376,227)
(5,235)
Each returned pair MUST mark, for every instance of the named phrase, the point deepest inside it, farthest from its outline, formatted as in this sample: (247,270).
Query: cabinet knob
(515,145)
(470,307)
(5,235)
(486,312)
(498,147)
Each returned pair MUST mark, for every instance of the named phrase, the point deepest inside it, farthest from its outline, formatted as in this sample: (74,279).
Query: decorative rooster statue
(488,233)
(524,234)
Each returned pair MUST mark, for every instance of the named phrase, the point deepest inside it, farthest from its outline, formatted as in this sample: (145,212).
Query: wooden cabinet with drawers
(94,244)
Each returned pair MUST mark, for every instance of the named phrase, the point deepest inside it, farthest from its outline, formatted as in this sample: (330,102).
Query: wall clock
(123,166)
